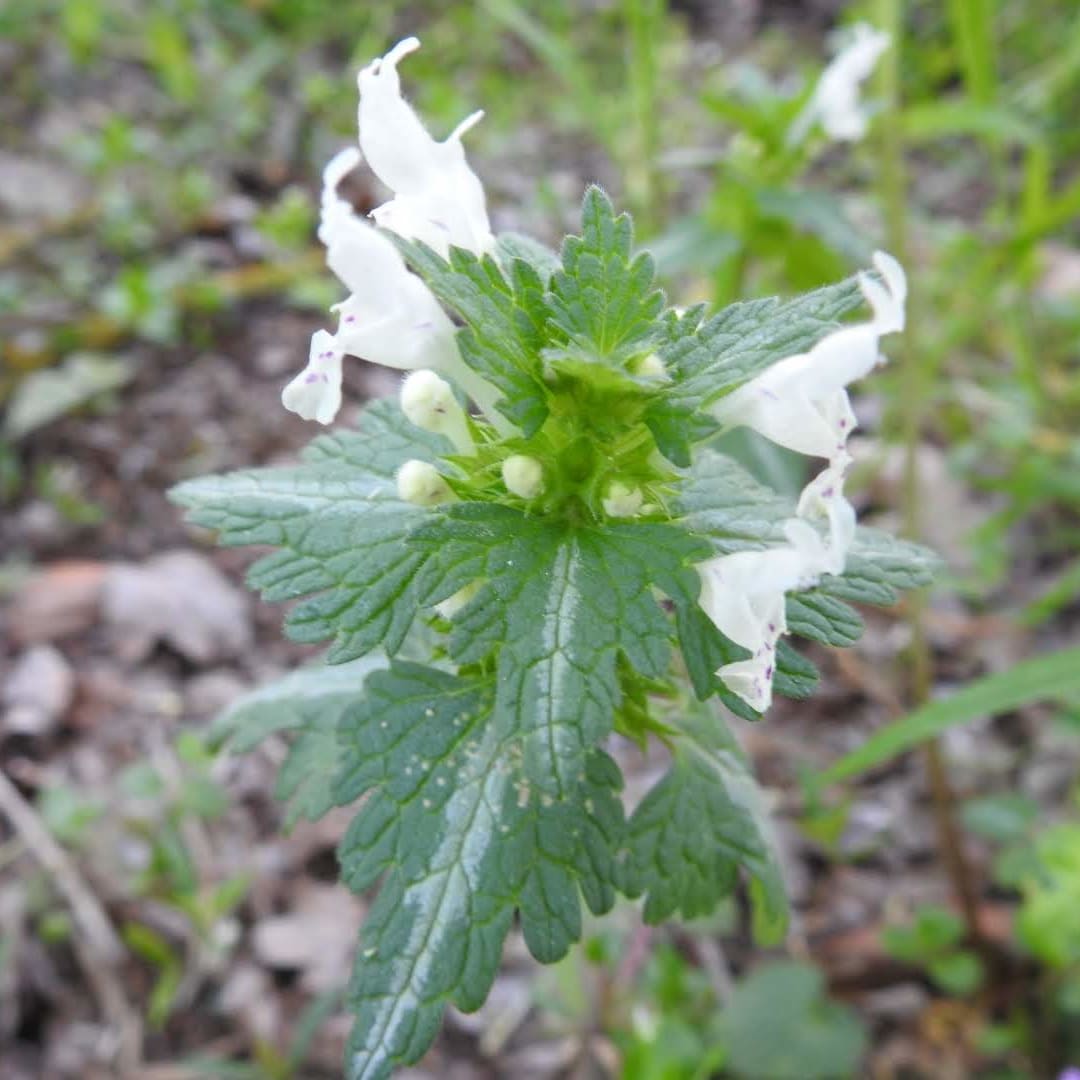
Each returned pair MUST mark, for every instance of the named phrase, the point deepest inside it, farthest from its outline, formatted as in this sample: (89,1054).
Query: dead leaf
(317,937)
(61,600)
(179,598)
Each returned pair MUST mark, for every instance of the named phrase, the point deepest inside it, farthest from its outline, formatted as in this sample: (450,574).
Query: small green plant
(780,1025)
(503,560)
(675,1025)
(933,940)
(159,807)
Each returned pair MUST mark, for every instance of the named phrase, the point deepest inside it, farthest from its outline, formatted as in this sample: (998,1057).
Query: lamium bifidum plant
(536,549)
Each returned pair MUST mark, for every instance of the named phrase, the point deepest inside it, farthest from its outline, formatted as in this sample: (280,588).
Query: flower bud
(419,482)
(622,501)
(651,367)
(428,401)
(523,476)
(449,607)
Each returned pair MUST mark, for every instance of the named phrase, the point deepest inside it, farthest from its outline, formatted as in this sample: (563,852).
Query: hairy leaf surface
(339,526)
(699,826)
(603,299)
(501,340)
(711,358)
(462,840)
(557,604)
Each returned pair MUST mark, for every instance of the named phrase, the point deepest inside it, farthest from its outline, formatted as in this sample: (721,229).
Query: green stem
(914,395)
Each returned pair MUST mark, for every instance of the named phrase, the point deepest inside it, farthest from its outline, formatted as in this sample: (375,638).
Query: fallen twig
(96,943)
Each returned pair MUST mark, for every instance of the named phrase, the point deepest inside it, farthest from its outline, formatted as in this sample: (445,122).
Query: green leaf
(933,932)
(340,528)
(288,703)
(796,677)
(699,826)
(461,840)
(959,973)
(709,360)
(747,337)
(721,500)
(43,396)
(557,605)
(879,567)
(603,298)
(501,340)
(819,617)
(1056,675)
(780,1026)
(308,703)
(511,246)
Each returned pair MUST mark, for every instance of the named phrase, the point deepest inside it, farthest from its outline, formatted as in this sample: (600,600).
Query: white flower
(315,394)
(622,501)
(835,102)
(428,401)
(744,595)
(420,482)
(523,476)
(391,317)
(801,402)
(823,499)
(437,197)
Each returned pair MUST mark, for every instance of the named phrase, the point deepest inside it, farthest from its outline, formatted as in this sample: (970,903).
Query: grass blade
(1055,675)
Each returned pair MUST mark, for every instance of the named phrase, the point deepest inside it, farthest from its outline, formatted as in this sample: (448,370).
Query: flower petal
(437,197)
(315,394)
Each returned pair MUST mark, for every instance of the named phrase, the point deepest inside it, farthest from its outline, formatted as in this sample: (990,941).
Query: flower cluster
(800,403)
(392,318)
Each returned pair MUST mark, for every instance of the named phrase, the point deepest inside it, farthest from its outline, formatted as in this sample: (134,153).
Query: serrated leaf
(819,617)
(462,841)
(603,299)
(720,499)
(881,566)
(286,704)
(747,337)
(308,704)
(340,528)
(500,340)
(699,826)
(705,650)
(511,246)
(796,677)
(706,360)
(559,603)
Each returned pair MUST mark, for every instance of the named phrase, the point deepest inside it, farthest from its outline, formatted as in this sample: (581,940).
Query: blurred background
(159,281)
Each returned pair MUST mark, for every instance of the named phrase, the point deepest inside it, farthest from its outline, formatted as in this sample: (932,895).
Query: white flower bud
(622,501)
(449,607)
(651,367)
(523,476)
(419,482)
(428,401)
